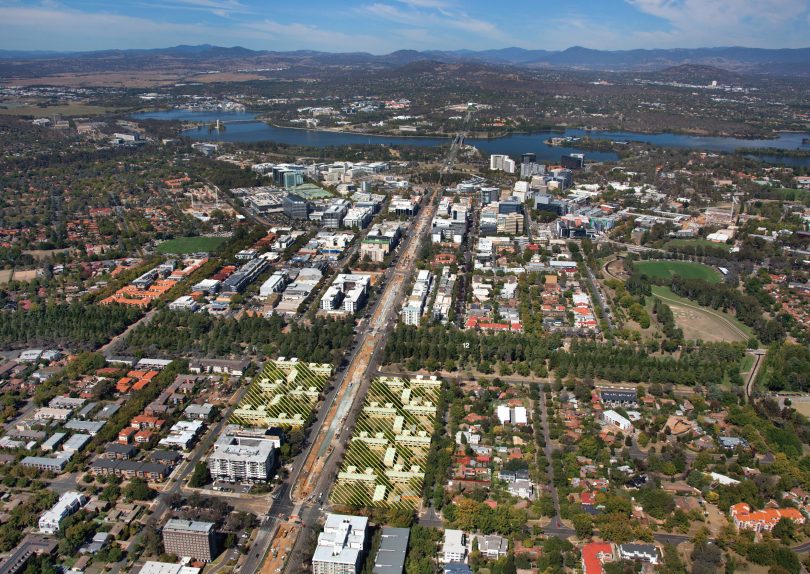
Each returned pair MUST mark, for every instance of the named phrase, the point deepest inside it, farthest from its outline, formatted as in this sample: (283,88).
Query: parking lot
(224,486)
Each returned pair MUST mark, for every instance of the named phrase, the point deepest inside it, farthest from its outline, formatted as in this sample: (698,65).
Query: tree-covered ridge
(199,334)
(75,325)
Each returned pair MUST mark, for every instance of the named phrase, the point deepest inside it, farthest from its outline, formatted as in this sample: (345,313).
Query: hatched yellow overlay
(384,464)
(283,395)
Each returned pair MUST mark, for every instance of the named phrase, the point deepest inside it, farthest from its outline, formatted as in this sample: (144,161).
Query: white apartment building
(415,304)
(66,403)
(347,293)
(514,415)
(243,459)
(340,545)
(67,504)
(499,162)
(52,414)
(455,546)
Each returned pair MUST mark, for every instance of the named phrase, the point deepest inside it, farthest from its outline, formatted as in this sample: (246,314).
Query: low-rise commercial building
(390,557)
(153,567)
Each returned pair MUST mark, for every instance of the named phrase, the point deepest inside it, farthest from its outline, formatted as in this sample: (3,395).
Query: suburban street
(176,481)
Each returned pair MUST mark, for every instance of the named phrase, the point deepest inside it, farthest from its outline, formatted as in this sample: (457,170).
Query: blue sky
(382,26)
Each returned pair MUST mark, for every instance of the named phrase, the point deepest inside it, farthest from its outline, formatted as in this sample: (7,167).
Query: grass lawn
(686,269)
(700,322)
(181,245)
(693,242)
(746,363)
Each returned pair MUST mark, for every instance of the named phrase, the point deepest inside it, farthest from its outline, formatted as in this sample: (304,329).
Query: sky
(383,26)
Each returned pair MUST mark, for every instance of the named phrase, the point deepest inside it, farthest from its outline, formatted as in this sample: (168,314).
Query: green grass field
(686,269)
(181,245)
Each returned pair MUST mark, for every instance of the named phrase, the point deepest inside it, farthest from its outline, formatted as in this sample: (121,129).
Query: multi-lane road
(306,491)
(302,495)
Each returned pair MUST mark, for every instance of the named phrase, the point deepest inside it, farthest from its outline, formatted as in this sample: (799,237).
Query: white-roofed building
(611,417)
(455,546)
(504,414)
(274,284)
(239,458)
(182,434)
(153,567)
(340,545)
(347,293)
(68,503)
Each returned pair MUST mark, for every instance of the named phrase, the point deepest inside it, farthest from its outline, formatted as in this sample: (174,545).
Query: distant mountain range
(735,59)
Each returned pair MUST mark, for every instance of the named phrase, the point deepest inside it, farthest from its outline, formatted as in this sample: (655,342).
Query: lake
(243,127)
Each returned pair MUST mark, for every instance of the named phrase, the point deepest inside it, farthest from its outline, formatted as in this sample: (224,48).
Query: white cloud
(436,4)
(51,28)
(693,23)
(437,15)
(382,26)
(66,29)
(283,36)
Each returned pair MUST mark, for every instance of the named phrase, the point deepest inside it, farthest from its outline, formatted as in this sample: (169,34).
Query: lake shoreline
(247,128)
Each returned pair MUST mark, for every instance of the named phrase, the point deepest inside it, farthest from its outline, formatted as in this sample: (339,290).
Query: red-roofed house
(594,555)
(143,436)
(126,434)
(762,520)
(587,498)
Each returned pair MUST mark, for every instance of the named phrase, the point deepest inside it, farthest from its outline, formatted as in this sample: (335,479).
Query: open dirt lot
(75,109)
(44,253)
(700,323)
(802,406)
(280,549)
(615,269)
(27,275)
(5,276)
